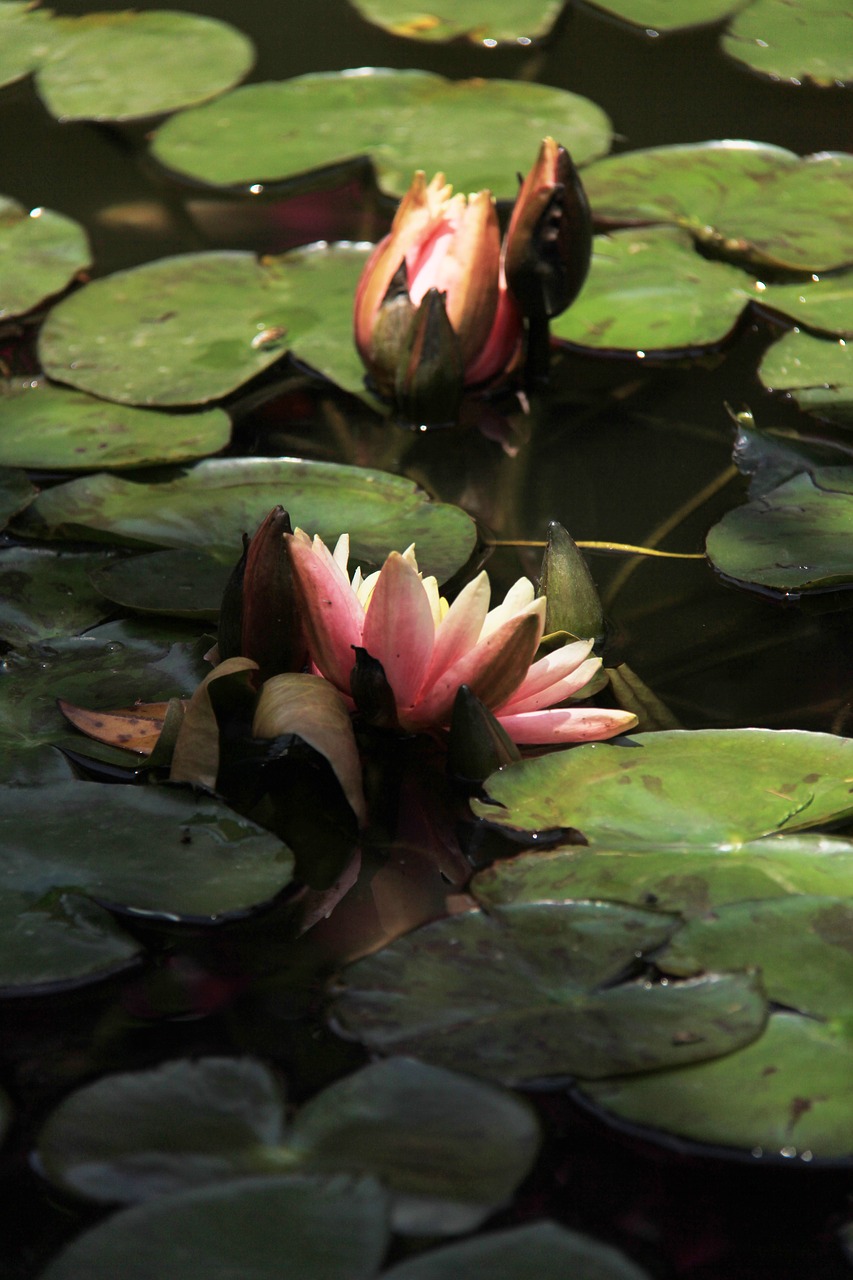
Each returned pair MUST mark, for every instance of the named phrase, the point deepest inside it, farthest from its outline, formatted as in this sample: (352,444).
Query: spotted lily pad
(678,787)
(403,120)
(210,506)
(449,1149)
(744,200)
(794,40)
(533,991)
(649,290)
(47,593)
(476,20)
(817,372)
(40,252)
(822,303)
(266,1228)
(26,37)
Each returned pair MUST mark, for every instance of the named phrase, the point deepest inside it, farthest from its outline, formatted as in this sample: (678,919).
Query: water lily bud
(572,598)
(549,241)
(229,636)
(271,629)
(428,385)
(478,743)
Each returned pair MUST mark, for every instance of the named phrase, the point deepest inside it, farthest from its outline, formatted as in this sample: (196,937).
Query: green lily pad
(16,493)
(745,200)
(155,851)
(823,303)
(788,1093)
(794,538)
(403,120)
(58,939)
(26,38)
(449,1149)
(802,943)
(41,252)
(181,583)
(817,372)
(794,40)
(266,1228)
(124,66)
(690,881)
(649,290)
(476,20)
(53,428)
(46,593)
(210,506)
(668,15)
(770,458)
(679,787)
(532,991)
(541,1248)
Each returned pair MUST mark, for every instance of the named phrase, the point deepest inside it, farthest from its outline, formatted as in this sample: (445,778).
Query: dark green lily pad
(42,252)
(823,303)
(266,1228)
(649,290)
(156,850)
(210,506)
(541,1248)
(181,584)
(789,1093)
(57,939)
(795,538)
(16,493)
(794,40)
(403,120)
(770,458)
(450,1149)
(802,943)
(679,787)
(476,20)
(53,428)
(123,66)
(26,38)
(745,200)
(817,372)
(668,15)
(690,881)
(529,992)
(46,593)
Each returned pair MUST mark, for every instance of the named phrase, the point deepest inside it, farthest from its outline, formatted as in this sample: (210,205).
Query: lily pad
(690,881)
(822,303)
(794,538)
(541,1248)
(649,290)
(47,593)
(818,373)
(402,120)
(745,200)
(449,1149)
(154,851)
(790,1093)
(16,493)
(41,252)
(794,40)
(26,38)
(210,506)
(679,787)
(180,583)
(266,1228)
(124,66)
(476,20)
(58,940)
(533,991)
(53,428)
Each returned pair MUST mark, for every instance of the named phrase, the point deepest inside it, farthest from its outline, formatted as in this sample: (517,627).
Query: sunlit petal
(520,595)
(556,692)
(551,669)
(461,627)
(399,630)
(567,724)
(331,613)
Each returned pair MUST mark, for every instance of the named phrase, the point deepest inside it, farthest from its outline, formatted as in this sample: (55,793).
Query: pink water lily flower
(429,648)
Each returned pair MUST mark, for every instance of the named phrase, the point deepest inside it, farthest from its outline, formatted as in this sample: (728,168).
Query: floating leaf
(42,252)
(817,372)
(53,428)
(403,120)
(136,729)
(678,787)
(531,992)
(794,538)
(788,1093)
(57,939)
(156,851)
(541,1248)
(26,37)
(650,290)
(794,40)
(123,66)
(46,593)
(266,1228)
(180,583)
(210,506)
(825,303)
(745,200)
(196,757)
(477,20)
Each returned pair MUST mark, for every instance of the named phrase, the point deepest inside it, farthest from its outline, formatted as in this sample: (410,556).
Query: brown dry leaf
(135,728)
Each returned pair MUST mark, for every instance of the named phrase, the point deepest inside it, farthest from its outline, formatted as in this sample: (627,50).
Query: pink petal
(551,670)
(567,724)
(331,614)
(461,627)
(398,629)
(498,355)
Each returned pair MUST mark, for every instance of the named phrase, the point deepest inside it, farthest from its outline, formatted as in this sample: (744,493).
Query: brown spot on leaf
(652,784)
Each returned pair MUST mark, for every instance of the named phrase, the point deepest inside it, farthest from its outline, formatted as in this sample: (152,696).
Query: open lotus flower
(428,649)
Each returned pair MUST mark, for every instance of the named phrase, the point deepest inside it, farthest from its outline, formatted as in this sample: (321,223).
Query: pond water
(617,450)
